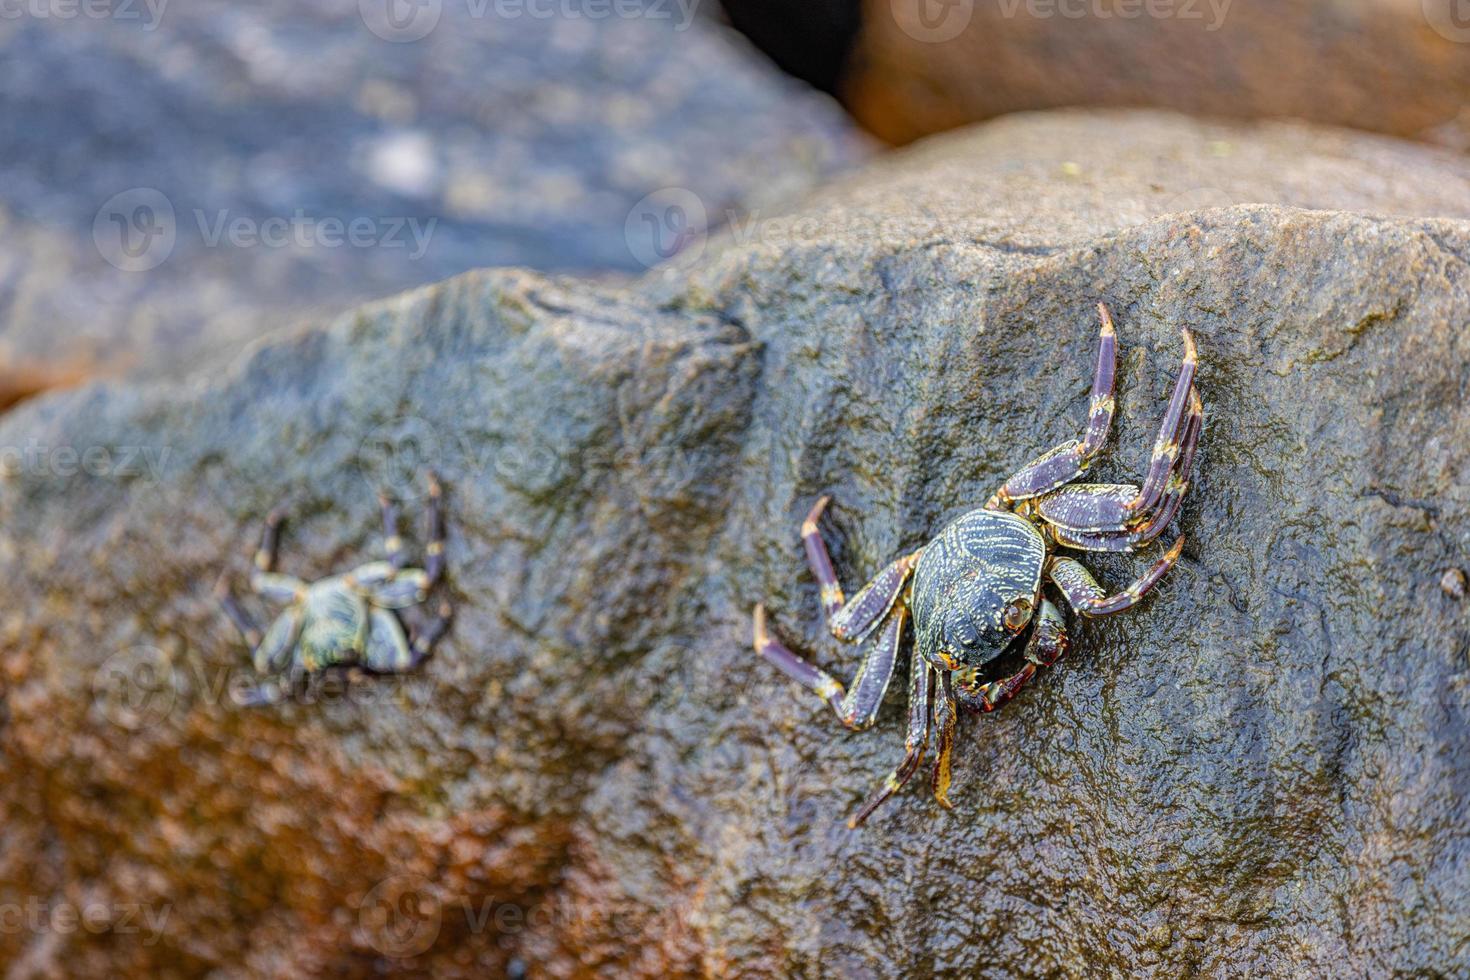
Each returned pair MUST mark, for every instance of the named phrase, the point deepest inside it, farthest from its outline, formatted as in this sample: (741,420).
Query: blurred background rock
(463,134)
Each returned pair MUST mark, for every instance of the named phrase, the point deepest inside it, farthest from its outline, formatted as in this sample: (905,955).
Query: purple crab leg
(392,541)
(921,708)
(820,561)
(1067,461)
(1087,511)
(1088,598)
(857,707)
(423,638)
(850,621)
(249,632)
(434,550)
(1166,446)
(1154,523)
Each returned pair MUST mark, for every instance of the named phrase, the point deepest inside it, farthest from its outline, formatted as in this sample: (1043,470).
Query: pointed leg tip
(1190,354)
(1175,549)
(854,822)
(1107,320)
(758,623)
(818,508)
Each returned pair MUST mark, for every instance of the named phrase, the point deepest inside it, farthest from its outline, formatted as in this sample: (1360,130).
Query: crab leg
(434,550)
(1157,520)
(851,620)
(249,632)
(1088,598)
(1090,509)
(265,560)
(1166,446)
(1047,644)
(921,708)
(392,541)
(856,708)
(944,726)
(265,555)
(1066,462)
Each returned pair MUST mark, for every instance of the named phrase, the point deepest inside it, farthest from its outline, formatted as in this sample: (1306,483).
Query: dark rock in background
(810,40)
(1393,66)
(470,134)
(1262,770)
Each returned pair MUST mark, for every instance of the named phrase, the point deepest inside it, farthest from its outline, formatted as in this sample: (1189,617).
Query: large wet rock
(1262,770)
(180,177)
(1391,66)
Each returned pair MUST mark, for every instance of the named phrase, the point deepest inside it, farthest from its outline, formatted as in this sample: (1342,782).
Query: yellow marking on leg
(832,595)
(759,618)
(394,543)
(809,528)
(1107,321)
(435,548)
(828,688)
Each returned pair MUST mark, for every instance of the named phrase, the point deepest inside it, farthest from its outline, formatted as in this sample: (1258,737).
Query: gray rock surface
(1261,771)
(486,134)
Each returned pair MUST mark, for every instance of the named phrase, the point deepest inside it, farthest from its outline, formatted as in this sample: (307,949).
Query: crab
(352,620)
(977,593)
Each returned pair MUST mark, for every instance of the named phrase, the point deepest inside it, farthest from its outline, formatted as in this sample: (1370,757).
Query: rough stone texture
(1392,66)
(526,140)
(1261,771)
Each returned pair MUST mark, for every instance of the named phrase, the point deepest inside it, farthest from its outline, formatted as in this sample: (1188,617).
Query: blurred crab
(976,592)
(350,620)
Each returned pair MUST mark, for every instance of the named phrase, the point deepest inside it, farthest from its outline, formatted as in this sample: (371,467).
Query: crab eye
(1017,614)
